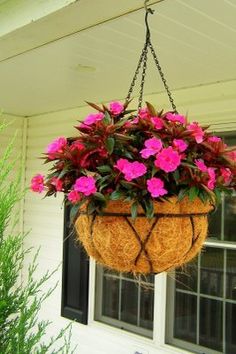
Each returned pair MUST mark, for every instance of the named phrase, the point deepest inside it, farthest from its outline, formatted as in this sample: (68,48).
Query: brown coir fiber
(171,238)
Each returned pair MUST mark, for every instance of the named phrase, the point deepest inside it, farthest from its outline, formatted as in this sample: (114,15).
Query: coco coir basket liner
(171,238)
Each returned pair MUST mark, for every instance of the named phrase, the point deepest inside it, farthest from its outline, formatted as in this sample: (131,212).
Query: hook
(146,8)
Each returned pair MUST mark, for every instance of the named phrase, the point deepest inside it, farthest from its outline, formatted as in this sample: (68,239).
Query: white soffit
(195,39)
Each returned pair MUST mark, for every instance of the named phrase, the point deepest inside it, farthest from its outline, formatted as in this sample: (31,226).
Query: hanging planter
(140,183)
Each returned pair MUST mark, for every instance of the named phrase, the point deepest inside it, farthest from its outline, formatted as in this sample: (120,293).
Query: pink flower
(77,145)
(168,160)
(116,108)
(157,122)
(210,171)
(214,139)
(92,118)
(57,183)
(180,145)
(56,146)
(174,117)
(212,178)
(232,155)
(153,146)
(144,113)
(226,174)
(196,131)
(121,164)
(155,187)
(73,196)
(37,183)
(131,170)
(201,165)
(85,185)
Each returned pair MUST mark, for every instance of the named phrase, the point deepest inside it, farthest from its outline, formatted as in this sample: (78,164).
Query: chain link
(136,73)
(140,100)
(162,77)
(143,62)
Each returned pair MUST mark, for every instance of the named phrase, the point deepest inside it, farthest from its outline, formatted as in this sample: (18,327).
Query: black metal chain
(143,63)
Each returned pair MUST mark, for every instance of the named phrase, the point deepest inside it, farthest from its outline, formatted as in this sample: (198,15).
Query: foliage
(20,330)
(137,158)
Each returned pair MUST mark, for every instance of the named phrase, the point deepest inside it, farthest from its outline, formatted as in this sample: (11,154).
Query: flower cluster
(137,158)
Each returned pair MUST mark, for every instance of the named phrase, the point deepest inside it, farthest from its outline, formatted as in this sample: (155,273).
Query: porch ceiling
(195,39)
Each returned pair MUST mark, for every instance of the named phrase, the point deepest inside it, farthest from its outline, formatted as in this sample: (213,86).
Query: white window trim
(158,341)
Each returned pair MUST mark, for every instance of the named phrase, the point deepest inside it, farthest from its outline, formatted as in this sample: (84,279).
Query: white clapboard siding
(212,104)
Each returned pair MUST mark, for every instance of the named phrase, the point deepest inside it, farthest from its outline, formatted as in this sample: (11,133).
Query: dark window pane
(185,317)
(146,307)
(230,219)
(186,277)
(231,275)
(230,323)
(210,331)
(110,305)
(212,271)
(129,302)
(214,219)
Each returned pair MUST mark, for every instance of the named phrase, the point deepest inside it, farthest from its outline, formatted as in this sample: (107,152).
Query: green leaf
(182,194)
(73,212)
(116,195)
(218,195)
(107,118)
(134,210)
(99,196)
(193,193)
(91,208)
(127,185)
(104,168)
(110,143)
(176,176)
(151,109)
(149,208)
(94,106)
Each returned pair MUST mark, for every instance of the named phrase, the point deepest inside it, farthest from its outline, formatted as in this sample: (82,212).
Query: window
(201,306)
(124,301)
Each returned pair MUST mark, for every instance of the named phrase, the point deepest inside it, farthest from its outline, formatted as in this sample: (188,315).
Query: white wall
(213,104)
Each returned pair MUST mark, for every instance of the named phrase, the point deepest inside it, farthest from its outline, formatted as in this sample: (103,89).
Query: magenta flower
(180,145)
(201,165)
(56,146)
(92,118)
(157,122)
(226,174)
(116,108)
(131,170)
(152,147)
(57,183)
(85,185)
(144,113)
(231,155)
(212,178)
(168,160)
(214,139)
(73,196)
(156,187)
(174,117)
(37,183)
(196,131)
(121,164)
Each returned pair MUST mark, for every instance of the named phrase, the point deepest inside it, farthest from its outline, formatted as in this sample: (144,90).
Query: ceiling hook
(146,7)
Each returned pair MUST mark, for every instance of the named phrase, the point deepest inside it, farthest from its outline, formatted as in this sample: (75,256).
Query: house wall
(213,104)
